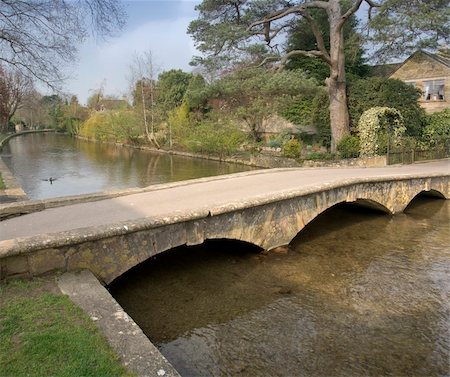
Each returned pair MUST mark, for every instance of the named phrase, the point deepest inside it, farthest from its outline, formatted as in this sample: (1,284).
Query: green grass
(45,334)
(2,184)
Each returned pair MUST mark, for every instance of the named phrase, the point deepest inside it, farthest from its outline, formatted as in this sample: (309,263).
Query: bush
(292,148)
(348,147)
(437,130)
(123,126)
(373,129)
(213,137)
(364,94)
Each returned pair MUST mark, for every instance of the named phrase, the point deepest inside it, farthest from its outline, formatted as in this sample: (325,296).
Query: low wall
(9,137)
(13,191)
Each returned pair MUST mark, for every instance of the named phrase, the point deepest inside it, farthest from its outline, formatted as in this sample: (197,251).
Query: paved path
(200,195)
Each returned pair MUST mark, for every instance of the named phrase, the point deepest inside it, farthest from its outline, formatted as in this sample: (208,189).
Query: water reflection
(360,294)
(83,167)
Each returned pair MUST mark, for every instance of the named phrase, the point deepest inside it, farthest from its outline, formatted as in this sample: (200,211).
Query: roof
(384,70)
(439,58)
(387,70)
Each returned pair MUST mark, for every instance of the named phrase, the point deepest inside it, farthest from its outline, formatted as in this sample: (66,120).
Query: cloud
(108,63)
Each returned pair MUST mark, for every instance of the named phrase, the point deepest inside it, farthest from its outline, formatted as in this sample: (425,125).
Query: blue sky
(156,25)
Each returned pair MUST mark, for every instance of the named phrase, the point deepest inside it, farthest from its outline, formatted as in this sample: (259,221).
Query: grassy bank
(42,333)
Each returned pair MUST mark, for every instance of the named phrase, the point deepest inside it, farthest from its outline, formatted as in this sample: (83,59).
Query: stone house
(431,74)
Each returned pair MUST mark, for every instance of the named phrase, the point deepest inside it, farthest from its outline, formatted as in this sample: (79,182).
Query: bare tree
(39,37)
(143,77)
(13,87)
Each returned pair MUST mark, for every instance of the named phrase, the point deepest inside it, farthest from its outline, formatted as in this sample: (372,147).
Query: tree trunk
(339,117)
(337,87)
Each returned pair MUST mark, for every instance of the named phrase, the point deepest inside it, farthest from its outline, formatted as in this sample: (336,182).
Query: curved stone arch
(430,193)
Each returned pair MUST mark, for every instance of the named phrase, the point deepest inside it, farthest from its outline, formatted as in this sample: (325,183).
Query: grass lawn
(42,333)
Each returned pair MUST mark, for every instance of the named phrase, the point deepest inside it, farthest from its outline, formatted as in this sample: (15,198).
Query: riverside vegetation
(226,117)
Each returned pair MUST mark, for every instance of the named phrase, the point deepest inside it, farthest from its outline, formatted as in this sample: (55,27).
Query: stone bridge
(267,208)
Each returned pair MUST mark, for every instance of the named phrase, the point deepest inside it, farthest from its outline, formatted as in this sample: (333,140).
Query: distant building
(428,72)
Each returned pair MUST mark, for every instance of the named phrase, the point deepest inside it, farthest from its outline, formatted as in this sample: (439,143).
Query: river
(359,294)
(81,167)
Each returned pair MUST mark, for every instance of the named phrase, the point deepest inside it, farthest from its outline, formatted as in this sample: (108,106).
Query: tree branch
(287,11)
(318,35)
(283,59)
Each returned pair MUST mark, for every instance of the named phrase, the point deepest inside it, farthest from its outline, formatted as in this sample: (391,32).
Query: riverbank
(265,160)
(10,191)
(43,333)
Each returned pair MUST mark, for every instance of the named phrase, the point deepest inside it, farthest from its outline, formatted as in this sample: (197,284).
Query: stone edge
(134,349)
(13,188)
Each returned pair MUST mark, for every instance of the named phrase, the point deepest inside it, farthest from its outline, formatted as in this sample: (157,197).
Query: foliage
(252,94)
(2,183)
(299,111)
(348,147)
(123,126)
(239,32)
(380,92)
(437,131)
(320,117)
(196,96)
(43,334)
(179,122)
(171,87)
(377,126)
(292,148)
(301,37)
(400,27)
(222,138)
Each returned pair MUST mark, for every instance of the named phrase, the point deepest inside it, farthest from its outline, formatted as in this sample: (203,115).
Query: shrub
(364,94)
(292,148)
(214,137)
(348,147)
(437,130)
(118,126)
(373,128)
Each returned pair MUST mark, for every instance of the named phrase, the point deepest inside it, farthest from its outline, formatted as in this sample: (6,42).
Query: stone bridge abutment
(110,251)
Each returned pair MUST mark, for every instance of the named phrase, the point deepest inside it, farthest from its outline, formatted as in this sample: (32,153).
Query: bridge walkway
(204,197)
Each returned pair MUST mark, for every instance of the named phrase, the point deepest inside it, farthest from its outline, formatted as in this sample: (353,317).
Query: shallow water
(81,167)
(360,293)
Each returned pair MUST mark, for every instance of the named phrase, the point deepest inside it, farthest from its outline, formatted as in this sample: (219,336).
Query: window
(433,90)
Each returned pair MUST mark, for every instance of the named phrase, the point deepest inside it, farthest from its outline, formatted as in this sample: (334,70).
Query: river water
(81,167)
(359,294)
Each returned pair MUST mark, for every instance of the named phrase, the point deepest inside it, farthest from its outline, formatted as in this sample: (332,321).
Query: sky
(156,25)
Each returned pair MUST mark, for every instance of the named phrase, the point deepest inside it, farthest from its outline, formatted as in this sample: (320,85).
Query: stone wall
(110,251)
(421,67)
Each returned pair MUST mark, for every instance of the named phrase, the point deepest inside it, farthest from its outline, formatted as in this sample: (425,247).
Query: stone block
(16,265)
(46,260)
